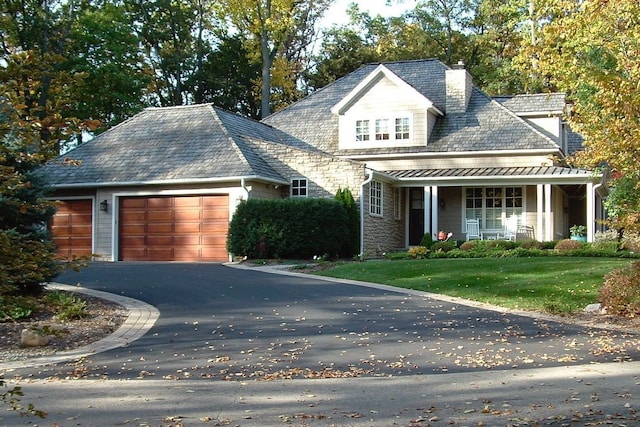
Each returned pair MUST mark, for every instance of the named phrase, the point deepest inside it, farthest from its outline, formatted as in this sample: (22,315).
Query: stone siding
(382,233)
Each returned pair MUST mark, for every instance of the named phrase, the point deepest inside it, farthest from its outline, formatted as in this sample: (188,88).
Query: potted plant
(578,232)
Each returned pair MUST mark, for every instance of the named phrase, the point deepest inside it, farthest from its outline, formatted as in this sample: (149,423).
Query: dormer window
(402,128)
(382,129)
(391,129)
(362,130)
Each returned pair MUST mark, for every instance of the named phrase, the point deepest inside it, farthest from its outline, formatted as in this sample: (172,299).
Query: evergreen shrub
(291,228)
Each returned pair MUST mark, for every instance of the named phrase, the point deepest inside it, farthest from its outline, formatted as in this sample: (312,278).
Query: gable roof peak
(370,80)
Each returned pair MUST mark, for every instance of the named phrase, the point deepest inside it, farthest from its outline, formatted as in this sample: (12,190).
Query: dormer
(384,111)
(542,111)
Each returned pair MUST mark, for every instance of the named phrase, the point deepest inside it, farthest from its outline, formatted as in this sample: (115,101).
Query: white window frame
(376,198)
(383,129)
(375,130)
(481,209)
(363,130)
(297,187)
(404,130)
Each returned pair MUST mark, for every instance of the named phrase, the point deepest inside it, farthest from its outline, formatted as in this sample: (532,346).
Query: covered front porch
(544,201)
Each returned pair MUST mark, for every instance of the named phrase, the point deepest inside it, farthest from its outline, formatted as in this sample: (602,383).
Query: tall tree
(443,21)
(104,48)
(227,78)
(176,36)
(273,26)
(590,49)
(497,35)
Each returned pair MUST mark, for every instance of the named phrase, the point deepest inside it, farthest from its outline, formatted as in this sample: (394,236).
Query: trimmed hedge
(291,228)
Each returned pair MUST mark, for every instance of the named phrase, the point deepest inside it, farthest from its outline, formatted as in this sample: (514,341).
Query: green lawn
(546,284)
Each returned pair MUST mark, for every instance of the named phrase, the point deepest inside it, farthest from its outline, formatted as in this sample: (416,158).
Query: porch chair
(473,230)
(510,230)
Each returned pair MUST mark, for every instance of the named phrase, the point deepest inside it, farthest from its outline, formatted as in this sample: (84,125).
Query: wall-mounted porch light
(104,206)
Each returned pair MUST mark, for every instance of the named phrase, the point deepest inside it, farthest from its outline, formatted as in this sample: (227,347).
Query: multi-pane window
(299,187)
(382,129)
(492,206)
(375,198)
(402,128)
(362,130)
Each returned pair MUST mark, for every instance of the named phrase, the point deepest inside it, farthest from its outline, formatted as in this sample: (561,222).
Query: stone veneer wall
(325,173)
(385,233)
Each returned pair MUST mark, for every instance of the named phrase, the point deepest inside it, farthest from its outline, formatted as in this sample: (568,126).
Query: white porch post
(539,212)
(547,213)
(434,211)
(591,211)
(427,210)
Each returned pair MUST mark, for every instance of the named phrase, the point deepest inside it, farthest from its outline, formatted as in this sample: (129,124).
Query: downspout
(243,184)
(366,182)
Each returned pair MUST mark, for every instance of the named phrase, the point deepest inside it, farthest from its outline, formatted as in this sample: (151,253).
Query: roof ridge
(175,107)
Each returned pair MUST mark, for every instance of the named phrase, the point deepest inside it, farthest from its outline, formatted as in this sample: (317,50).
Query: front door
(416,215)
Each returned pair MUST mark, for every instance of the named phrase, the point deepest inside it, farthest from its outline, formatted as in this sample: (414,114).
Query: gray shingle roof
(186,143)
(534,103)
(487,125)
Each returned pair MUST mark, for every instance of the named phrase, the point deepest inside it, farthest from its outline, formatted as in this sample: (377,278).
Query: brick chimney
(458,89)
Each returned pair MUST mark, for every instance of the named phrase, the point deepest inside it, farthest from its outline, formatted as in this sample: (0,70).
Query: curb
(141,318)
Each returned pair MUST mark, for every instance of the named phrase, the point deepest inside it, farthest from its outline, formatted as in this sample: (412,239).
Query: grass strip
(560,285)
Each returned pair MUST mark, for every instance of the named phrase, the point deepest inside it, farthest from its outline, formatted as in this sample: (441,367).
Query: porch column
(427,209)
(539,212)
(434,211)
(591,212)
(547,213)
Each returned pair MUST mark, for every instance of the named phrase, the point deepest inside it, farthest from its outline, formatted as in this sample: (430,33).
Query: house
(420,147)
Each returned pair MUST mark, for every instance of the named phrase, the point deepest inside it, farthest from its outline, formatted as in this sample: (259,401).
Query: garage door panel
(159,202)
(166,228)
(133,229)
(217,241)
(157,241)
(71,228)
(187,228)
(131,241)
(216,201)
(184,241)
(133,254)
(187,202)
(160,215)
(174,228)
(132,203)
(132,215)
(192,216)
(215,215)
(160,254)
(215,228)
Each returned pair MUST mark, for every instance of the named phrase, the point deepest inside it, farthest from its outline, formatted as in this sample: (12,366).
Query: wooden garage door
(180,228)
(71,228)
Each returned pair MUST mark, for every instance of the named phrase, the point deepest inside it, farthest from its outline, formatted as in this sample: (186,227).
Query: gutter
(169,182)
(366,182)
(445,155)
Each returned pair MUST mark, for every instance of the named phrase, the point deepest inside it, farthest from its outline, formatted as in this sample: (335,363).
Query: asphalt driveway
(229,340)
(227,323)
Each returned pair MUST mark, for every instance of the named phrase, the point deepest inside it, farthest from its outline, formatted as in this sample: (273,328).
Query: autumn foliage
(590,50)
